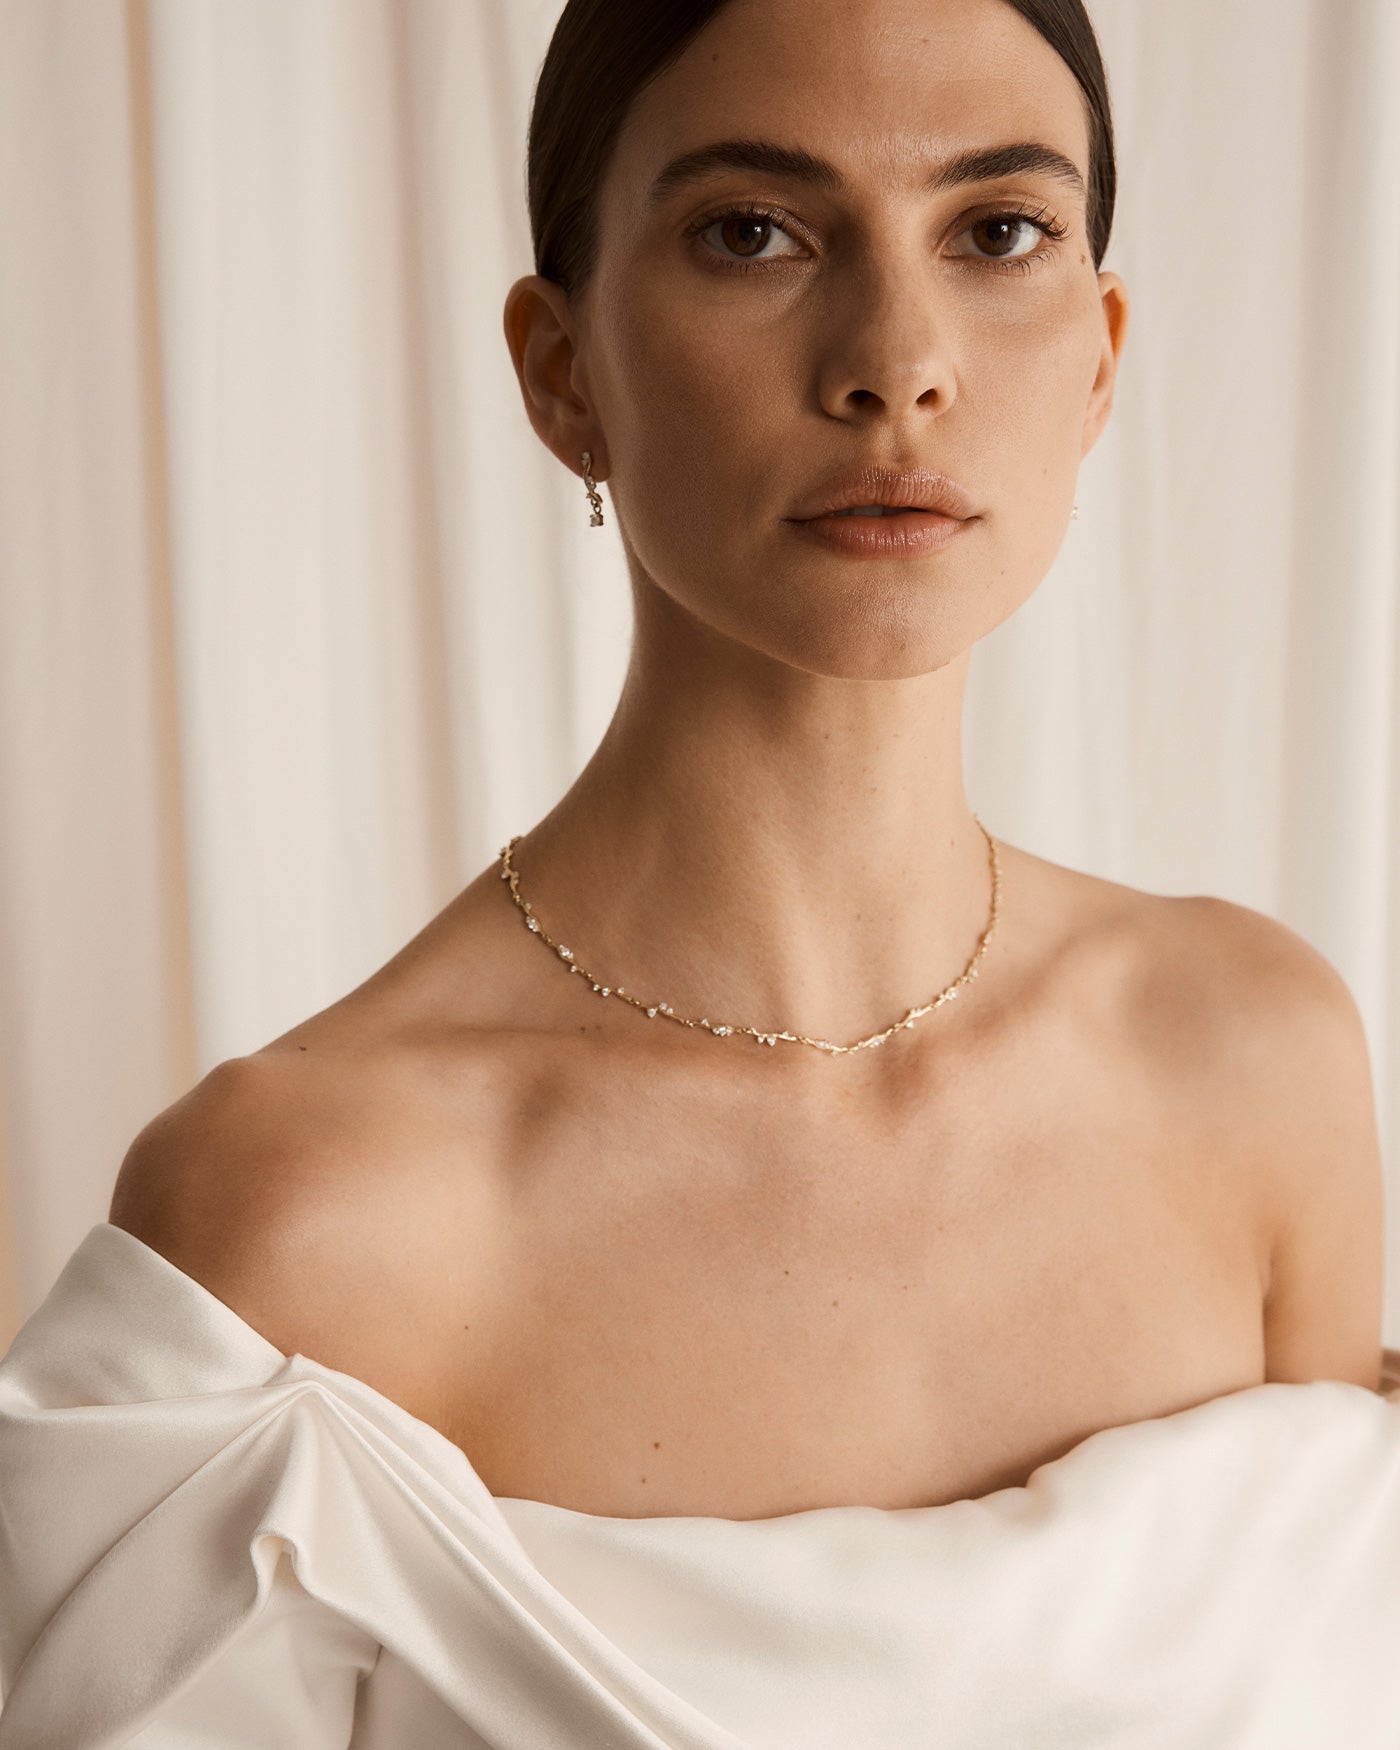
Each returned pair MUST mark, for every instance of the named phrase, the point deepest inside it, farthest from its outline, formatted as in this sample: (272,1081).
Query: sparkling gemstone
(606,991)
(566,953)
(532,924)
(651,1011)
(719,1032)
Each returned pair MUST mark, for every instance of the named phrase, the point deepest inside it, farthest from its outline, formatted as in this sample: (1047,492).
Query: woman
(648,1309)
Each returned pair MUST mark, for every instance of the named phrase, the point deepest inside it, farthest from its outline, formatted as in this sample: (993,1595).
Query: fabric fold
(205,1540)
(168,1515)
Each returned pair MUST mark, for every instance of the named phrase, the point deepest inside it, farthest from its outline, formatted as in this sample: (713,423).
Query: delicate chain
(721,1029)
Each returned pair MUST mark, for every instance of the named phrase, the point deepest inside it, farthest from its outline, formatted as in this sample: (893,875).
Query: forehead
(880,87)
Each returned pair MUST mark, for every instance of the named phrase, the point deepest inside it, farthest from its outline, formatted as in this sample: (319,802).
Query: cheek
(696,417)
(691,379)
(1023,393)
(1022,405)
(1031,371)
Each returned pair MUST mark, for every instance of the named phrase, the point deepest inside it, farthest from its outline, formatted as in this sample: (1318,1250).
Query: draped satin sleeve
(204,1541)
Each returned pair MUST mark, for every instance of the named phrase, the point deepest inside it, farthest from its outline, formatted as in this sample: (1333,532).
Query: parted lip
(918,488)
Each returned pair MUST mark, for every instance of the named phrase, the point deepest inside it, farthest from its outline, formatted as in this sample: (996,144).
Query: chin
(886,631)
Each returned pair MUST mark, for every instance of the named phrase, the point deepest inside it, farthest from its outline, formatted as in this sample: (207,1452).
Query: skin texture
(633,1269)
(746,782)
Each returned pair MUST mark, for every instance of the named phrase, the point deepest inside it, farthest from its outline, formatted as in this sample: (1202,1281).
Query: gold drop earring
(596,503)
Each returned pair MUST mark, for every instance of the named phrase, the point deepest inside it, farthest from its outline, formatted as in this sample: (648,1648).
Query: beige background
(298,621)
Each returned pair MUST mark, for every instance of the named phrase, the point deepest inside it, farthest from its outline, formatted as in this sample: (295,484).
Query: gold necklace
(722,1029)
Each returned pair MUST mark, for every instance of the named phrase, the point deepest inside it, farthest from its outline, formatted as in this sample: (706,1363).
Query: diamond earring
(1074,514)
(596,503)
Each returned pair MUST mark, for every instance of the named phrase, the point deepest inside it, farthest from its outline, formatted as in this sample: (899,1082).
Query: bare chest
(752,1309)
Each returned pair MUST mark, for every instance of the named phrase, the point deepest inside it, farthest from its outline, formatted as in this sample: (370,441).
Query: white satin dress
(205,1543)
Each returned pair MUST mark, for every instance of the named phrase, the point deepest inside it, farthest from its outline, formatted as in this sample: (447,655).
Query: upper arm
(1301,1065)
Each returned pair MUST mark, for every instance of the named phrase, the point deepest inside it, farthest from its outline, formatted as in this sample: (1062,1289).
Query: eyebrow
(975,164)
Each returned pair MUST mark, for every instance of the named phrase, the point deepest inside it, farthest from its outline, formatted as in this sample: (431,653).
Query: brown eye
(999,233)
(744,233)
(996,239)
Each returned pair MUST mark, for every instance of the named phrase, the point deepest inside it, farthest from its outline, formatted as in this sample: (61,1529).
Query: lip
(940,511)
(905,536)
(874,483)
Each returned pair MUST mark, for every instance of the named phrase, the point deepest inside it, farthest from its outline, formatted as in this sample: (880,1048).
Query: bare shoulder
(1312,1108)
(1257,1025)
(1262,1008)
(1293,1036)
(1231,979)
(1197,976)
(312,1190)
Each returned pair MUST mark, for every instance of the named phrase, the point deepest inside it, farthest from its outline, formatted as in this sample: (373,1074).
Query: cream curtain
(298,620)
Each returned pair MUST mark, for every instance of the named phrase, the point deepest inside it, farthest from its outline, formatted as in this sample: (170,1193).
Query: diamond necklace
(721,1029)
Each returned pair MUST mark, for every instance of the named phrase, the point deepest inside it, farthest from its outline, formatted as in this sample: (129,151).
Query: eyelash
(1041,217)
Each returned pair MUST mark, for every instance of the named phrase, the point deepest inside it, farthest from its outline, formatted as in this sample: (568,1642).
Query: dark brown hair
(604,51)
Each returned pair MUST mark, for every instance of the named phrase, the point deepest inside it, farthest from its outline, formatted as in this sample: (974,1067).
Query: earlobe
(1114,295)
(539,333)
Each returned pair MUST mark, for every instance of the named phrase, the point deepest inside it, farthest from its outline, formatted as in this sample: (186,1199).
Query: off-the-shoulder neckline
(807,1514)
(397,1410)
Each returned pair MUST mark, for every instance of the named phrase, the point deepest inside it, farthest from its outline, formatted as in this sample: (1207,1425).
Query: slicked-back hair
(603,52)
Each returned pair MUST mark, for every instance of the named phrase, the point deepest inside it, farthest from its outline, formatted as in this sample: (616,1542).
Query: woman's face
(731,365)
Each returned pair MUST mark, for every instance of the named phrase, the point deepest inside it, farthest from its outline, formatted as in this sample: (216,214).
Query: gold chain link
(722,1029)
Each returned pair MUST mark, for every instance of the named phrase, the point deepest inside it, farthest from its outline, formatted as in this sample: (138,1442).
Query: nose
(886,350)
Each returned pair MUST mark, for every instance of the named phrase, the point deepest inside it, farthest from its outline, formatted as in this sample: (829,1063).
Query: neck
(769,848)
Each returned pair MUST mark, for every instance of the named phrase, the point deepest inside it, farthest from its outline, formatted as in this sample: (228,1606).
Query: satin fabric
(206,1542)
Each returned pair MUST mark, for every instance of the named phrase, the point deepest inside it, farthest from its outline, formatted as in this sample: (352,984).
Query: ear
(542,336)
(1114,296)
